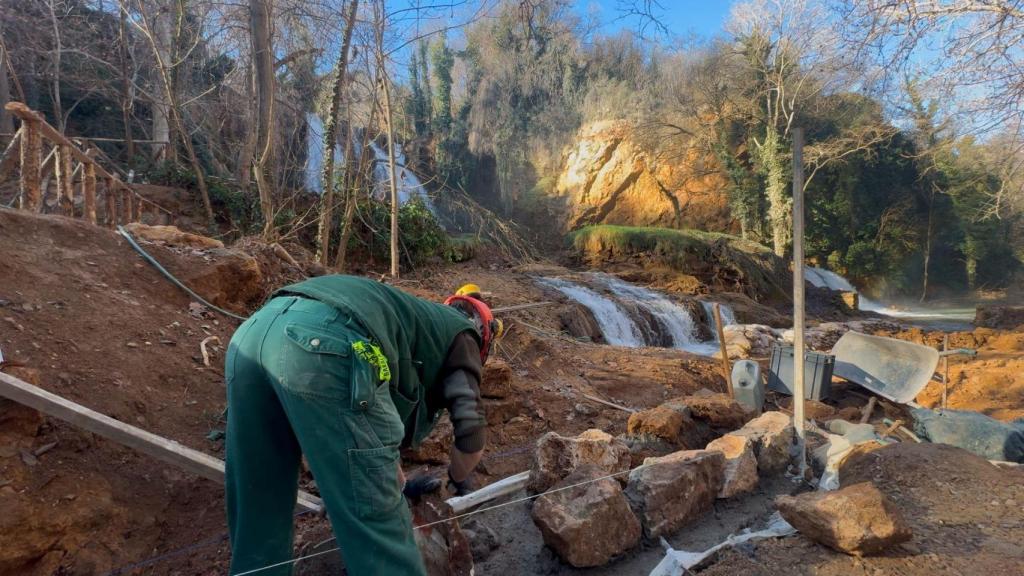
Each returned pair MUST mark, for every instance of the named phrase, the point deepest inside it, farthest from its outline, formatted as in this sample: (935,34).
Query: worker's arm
(461,389)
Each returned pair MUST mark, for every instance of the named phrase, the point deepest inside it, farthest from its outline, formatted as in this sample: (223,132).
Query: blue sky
(682,17)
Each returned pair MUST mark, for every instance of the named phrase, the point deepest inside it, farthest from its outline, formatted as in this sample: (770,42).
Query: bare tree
(331,134)
(972,52)
(164,74)
(261,33)
(380,26)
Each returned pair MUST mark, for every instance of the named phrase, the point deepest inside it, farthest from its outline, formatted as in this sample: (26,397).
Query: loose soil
(104,329)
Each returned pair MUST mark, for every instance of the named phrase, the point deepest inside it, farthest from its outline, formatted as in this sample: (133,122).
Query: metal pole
(798,297)
(945,370)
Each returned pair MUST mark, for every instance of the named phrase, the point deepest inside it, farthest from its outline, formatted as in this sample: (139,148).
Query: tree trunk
(928,247)
(126,85)
(6,119)
(779,204)
(263,64)
(161,40)
(353,183)
(386,91)
(176,117)
(58,111)
(331,137)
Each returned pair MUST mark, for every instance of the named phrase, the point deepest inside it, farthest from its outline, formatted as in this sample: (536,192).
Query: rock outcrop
(558,456)
(670,491)
(857,520)
(608,178)
(589,524)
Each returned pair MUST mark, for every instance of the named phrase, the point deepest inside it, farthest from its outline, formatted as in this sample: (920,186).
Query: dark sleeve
(460,384)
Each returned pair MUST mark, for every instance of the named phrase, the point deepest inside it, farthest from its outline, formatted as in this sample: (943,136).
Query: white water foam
(676,319)
(616,326)
(728,315)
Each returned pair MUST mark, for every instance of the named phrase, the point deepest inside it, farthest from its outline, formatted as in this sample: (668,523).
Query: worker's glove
(461,488)
(419,485)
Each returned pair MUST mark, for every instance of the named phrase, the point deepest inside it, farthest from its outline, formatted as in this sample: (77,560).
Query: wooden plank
(163,449)
(31,150)
(110,193)
(502,487)
(138,208)
(89,192)
(65,191)
(127,211)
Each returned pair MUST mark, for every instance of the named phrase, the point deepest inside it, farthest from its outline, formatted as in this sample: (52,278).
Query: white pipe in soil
(798,297)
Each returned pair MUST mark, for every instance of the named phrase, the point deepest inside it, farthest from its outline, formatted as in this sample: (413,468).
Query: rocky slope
(609,178)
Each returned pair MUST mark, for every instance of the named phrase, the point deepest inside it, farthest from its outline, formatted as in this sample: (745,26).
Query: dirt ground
(104,329)
(966,514)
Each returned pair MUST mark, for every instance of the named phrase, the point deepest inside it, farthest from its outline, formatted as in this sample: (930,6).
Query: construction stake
(726,367)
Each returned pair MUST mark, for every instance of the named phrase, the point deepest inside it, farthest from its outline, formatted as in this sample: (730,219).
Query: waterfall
(674,318)
(408,183)
(821,278)
(616,326)
(728,315)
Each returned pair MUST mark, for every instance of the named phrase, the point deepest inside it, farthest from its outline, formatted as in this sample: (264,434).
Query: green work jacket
(414,334)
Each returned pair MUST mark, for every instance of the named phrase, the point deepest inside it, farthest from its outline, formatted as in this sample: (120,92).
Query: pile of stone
(596,507)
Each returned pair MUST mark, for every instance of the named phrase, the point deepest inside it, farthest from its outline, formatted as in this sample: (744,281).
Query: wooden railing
(122,204)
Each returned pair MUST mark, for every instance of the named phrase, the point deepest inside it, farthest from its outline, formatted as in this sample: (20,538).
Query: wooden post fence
(109,192)
(89,192)
(34,129)
(31,150)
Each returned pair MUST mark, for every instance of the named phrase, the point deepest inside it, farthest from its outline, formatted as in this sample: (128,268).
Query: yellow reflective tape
(371,353)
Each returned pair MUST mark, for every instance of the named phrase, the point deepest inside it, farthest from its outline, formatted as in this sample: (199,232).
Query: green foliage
(234,204)
(421,237)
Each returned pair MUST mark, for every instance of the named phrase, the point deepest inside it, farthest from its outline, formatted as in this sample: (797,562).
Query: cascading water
(408,183)
(728,316)
(616,326)
(674,318)
(620,329)
(957,318)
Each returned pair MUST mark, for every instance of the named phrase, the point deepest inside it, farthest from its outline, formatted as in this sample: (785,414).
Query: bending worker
(347,370)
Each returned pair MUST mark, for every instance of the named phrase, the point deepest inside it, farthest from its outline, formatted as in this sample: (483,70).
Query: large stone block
(715,408)
(558,456)
(857,520)
(668,492)
(740,464)
(590,524)
(772,436)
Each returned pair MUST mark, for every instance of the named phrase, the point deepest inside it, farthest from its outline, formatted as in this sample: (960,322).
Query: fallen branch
(607,403)
(202,348)
(865,414)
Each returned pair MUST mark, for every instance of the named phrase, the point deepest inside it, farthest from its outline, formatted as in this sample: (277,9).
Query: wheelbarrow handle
(958,352)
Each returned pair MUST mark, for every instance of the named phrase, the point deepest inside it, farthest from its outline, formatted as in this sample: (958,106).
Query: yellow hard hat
(468,290)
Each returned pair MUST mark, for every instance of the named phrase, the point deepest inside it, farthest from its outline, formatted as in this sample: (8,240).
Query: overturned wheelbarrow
(893,369)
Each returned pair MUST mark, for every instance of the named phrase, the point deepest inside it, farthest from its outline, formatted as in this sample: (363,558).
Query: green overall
(307,377)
